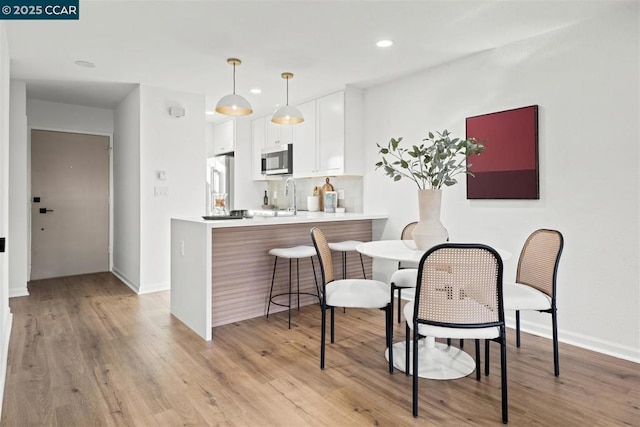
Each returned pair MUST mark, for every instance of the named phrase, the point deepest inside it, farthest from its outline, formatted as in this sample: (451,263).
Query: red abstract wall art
(508,167)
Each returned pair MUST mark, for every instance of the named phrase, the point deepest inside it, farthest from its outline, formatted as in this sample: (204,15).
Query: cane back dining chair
(535,285)
(458,295)
(351,293)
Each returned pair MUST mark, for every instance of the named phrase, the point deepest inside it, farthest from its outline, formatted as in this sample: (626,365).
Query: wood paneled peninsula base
(221,270)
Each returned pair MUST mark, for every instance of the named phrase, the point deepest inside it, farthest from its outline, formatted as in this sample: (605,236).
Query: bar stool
(296,253)
(344,247)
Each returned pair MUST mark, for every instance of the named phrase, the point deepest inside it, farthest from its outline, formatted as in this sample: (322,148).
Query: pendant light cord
(234,78)
(287,90)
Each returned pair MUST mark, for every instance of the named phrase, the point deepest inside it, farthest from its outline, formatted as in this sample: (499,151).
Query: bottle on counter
(265,199)
(326,187)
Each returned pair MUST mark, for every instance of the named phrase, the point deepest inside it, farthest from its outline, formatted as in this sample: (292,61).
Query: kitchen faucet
(286,193)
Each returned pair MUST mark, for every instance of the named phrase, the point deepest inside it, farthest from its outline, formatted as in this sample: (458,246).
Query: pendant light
(287,115)
(232,104)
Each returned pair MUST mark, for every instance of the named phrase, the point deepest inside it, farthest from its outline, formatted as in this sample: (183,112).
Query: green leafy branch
(429,165)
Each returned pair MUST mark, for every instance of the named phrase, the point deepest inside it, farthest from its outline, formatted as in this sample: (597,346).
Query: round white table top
(404,250)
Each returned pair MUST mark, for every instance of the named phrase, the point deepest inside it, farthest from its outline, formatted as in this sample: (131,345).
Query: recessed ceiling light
(384,43)
(256,90)
(85,64)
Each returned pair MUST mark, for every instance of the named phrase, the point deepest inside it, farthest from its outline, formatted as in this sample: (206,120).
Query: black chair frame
(324,307)
(289,293)
(553,311)
(501,339)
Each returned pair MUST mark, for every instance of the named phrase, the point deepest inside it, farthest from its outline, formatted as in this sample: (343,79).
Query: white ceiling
(184,45)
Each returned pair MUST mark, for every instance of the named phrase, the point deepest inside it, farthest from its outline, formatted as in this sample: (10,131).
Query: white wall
(18,191)
(56,116)
(585,81)
(126,190)
(5,312)
(208,137)
(177,147)
(145,140)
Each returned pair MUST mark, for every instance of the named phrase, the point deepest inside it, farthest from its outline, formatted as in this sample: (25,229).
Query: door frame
(30,196)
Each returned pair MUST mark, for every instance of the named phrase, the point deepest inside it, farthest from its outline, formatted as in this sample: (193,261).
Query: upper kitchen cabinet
(224,137)
(258,136)
(260,141)
(330,140)
(305,149)
(277,134)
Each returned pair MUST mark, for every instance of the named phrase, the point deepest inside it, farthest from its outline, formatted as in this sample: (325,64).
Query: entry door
(4,208)
(70,204)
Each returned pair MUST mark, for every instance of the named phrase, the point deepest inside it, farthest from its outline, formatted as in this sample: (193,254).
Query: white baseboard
(156,287)
(4,352)
(142,289)
(18,292)
(124,280)
(579,340)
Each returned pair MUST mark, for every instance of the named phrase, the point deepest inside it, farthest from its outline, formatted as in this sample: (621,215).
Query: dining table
(437,360)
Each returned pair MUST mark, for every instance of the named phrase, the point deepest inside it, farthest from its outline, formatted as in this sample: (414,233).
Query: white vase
(429,231)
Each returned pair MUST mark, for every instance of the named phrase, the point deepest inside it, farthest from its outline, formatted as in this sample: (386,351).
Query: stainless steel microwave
(277,160)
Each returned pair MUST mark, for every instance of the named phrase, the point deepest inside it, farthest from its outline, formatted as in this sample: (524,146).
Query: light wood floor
(86,351)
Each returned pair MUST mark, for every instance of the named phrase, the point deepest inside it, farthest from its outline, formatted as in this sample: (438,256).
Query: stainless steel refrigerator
(220,181)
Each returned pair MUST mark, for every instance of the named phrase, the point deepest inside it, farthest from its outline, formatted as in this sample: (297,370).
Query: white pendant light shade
(287,115)
(233,104)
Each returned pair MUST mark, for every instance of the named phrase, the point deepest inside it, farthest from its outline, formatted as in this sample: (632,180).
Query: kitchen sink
(272,213)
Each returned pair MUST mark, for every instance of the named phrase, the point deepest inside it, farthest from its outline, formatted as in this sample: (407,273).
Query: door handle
(45,210)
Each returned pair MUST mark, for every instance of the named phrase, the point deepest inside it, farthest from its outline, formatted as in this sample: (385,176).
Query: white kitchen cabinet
(258,137)
(259,129)
(278,134)
(329,142)
(305,149)
(224,137)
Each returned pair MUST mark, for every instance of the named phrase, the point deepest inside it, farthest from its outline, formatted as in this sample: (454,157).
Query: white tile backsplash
(350,186)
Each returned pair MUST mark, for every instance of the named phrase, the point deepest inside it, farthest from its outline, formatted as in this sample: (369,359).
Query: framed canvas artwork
(508,167)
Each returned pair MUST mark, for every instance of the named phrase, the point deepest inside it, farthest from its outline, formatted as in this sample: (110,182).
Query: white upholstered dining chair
(405,276)
(535,285)
(351,293)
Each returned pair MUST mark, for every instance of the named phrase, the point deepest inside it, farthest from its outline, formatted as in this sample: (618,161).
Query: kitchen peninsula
(221,270)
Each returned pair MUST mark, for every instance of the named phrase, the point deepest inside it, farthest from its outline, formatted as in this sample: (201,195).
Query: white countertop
(301,217)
